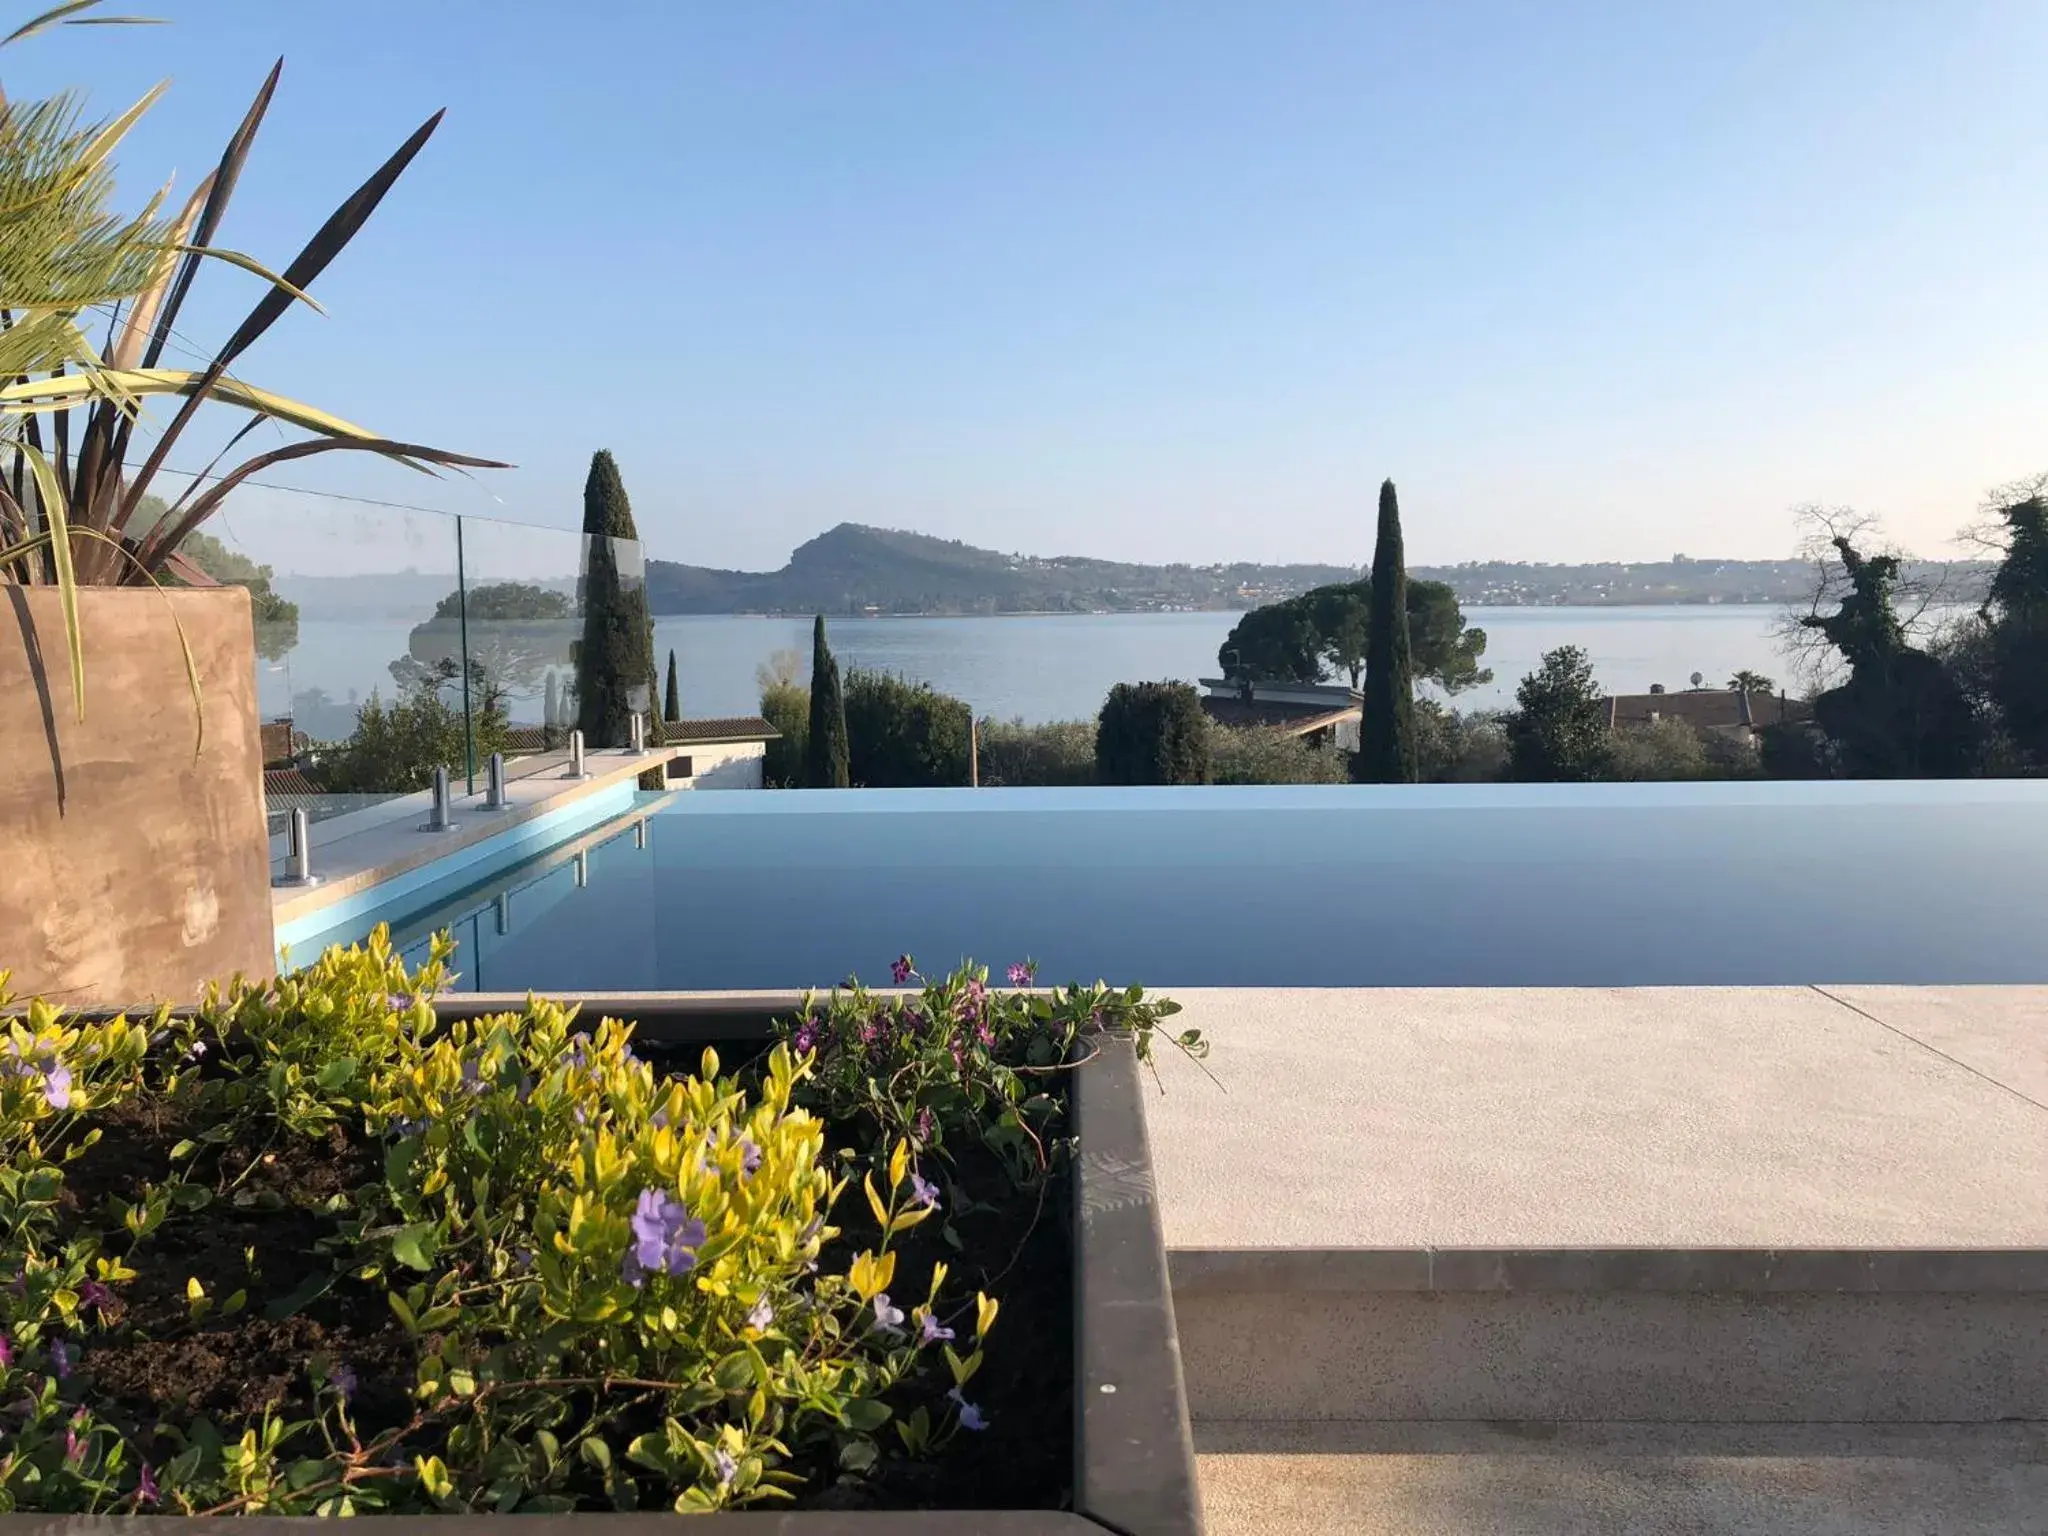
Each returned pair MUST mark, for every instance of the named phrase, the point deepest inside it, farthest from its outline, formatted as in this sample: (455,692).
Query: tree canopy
(1322,634)
(826,754)
(517,634)
(1558,731)
(1386,738)
(615,662)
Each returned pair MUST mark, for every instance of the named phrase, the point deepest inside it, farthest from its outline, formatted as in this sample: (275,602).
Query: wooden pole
(973,752)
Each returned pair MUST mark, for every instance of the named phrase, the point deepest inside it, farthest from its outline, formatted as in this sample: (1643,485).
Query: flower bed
(314,1250)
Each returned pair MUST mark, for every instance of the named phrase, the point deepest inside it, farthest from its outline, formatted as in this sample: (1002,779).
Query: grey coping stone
(1690,1270)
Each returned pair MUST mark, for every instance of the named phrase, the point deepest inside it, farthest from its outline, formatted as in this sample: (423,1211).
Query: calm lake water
(1057,667)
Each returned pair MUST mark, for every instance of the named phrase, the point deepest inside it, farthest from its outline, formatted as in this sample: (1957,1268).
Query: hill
(856,569)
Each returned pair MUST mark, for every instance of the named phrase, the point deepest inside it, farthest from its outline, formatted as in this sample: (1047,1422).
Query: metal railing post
(495,798)
(298,866)
(439,819)
(576,757)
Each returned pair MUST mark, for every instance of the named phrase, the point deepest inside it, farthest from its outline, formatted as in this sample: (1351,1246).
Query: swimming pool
(1450,885)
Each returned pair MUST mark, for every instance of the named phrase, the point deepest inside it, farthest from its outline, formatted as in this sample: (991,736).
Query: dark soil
(257,1234)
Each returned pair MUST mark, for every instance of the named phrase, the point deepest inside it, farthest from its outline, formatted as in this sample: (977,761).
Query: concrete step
(1645,1335)
(1272,1478)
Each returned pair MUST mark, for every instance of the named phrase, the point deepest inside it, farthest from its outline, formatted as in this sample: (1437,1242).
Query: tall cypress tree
(617,654)
(672,700)
(825,753)
(1386,736)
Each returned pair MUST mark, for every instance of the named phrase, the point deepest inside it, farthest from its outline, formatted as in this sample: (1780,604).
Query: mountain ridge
(854,568)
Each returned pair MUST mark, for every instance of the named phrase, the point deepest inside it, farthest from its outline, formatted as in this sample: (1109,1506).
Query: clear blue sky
(1166,280)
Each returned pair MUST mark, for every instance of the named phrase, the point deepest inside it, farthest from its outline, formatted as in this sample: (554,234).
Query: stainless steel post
(495,798)
(576,757)
(438,819)
(639,733)
(301,866)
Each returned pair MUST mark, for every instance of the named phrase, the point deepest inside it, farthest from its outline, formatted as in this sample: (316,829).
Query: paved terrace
(1381,1183)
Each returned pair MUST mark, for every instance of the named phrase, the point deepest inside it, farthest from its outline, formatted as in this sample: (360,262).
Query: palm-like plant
(68,418)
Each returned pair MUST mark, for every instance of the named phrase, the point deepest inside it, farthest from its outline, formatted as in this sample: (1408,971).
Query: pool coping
(366,866)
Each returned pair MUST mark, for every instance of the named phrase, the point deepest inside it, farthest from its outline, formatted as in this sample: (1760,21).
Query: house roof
(1705,709)
(684,733)
(1277,714)
(705,732)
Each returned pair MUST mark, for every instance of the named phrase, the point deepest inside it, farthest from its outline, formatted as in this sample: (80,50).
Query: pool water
(1454,885)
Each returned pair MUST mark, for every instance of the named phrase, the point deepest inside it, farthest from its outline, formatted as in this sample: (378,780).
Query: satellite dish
(1697,679)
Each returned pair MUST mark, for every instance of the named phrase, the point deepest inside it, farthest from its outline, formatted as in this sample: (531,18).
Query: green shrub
(1152,733)
(395,748)
(1458,747)
(1257,754)
(1672,750)
(505,1264)
(904,735)
(787,707)
(1059,753)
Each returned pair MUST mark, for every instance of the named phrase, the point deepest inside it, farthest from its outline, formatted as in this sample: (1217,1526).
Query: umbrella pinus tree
(616,657)
(1386,738)
(826,756)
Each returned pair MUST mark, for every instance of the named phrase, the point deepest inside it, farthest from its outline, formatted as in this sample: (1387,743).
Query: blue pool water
(1455,885)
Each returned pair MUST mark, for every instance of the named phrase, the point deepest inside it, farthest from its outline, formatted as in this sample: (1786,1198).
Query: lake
(1059,666)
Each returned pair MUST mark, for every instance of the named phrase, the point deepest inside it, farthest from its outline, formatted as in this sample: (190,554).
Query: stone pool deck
(1762,1260)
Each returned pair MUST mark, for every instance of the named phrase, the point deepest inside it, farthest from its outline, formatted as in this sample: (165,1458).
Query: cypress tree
(825,752)
(551,710)
(672,700)
(617,654)
(1386,736)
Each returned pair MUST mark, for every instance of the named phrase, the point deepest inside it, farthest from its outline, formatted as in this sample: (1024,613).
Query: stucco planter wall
(130,868)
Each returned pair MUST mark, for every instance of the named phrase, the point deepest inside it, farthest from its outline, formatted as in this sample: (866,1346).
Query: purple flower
(659,1119)
(901,970)
(145,1485)
(577,1054)
(1023,973)
(665,1237)
(970,1416)
(55,1075)
(924,1192)
(522,1259)
(762,1315)
(750,1156)
(806,1037)
(926,1123)
(74,1448)
(93,1294)
(929,1331)
(6,1352)
(472,1077)
(398,1002)
(888,1318)
(60,1358)
(343,1380)
(983,1033)
(727,1468)
(976,996)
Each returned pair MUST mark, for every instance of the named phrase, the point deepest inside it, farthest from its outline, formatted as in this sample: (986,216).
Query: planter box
(1134,1464)
(132,869)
